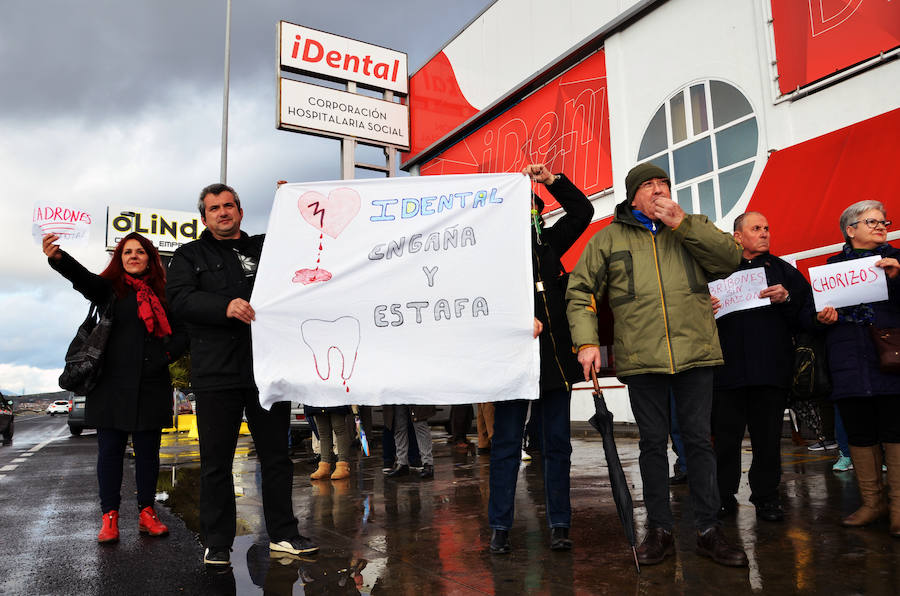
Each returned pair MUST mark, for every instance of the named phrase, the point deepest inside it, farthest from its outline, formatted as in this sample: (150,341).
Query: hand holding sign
(51,249)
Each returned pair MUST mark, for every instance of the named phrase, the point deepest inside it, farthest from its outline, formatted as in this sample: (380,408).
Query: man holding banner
(654,261)
(751,388)
(558,369)
(209,286)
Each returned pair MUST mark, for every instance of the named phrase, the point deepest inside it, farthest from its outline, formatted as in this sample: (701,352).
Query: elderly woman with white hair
(868,398)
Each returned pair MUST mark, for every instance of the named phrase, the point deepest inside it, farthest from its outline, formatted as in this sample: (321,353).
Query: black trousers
(692,390)
(219,416)
(759,409)
(870,420)
(111,444)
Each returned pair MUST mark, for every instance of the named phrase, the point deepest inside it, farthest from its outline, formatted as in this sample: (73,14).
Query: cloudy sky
(120,102)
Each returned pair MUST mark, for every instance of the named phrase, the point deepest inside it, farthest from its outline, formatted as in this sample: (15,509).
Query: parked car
(60,406)
(441,417)
(7,420)
(300,428)
(76,416)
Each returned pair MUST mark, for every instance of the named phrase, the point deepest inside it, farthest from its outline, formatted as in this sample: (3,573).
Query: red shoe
(110,530)
(149,523)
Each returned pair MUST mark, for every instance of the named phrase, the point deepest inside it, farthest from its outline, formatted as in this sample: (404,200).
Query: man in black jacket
(558,368)
(209,285)
(751,388)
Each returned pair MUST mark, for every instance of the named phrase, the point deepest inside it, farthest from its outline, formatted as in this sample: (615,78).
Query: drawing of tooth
(341,334)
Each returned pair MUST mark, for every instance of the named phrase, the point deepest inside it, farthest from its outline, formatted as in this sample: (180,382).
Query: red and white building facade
(787,107)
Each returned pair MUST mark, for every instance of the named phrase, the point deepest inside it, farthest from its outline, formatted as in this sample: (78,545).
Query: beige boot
(322,472)
(892,458)
(867,463)
(342,470)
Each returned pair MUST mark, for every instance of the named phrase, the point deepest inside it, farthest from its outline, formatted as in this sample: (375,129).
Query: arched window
(706,137)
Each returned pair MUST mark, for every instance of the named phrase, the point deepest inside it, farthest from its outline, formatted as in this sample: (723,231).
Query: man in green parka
(653,262)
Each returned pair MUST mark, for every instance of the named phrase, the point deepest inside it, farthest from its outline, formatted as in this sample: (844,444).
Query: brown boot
(323,471)
(341,471)
(867,463)
(892,458)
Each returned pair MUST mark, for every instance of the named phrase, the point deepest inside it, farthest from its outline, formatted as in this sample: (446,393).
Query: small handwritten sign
(740,291)
(847,283)
(71,224)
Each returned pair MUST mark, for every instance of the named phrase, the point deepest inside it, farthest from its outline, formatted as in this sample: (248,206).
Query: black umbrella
(602,420)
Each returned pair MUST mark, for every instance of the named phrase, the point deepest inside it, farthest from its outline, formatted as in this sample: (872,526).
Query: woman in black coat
(133,394)
(867,398)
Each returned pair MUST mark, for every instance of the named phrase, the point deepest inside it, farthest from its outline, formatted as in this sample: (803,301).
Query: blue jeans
(506,454)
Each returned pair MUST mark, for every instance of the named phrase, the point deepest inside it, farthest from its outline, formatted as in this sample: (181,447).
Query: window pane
(684,199)
(693,160)
(727,103)
(654,139)
(698,109)
(663,162)
(732,185)
(707,199)
(679,124)
(737,142)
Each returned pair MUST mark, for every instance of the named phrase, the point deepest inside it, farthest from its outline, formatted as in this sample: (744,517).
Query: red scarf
(150,309)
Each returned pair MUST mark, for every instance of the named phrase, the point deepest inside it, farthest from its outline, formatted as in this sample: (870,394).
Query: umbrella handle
(596,382)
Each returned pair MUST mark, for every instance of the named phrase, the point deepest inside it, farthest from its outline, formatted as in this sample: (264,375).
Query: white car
(60,406)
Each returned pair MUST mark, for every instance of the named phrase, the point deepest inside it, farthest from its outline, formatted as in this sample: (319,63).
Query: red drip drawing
(330,215)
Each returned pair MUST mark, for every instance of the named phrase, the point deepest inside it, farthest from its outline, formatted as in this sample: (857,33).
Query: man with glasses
(751,388)
(653,262)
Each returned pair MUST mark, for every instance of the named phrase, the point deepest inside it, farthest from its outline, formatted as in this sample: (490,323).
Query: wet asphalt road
(414,536)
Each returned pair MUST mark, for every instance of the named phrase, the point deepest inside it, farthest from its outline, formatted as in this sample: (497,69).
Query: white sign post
(740,291)
(847,283)
(397,291)
(316,109)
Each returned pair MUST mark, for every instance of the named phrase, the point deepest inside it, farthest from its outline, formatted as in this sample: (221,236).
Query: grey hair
(739,220)
(215,189)
(852,213)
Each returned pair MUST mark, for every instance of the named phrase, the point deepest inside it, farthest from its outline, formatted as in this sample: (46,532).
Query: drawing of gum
(341,335)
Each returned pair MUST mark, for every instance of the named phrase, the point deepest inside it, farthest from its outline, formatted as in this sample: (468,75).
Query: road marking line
(25,454)
(19,460)
(9,468)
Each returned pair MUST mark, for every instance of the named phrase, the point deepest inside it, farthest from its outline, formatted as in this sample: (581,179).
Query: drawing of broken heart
(332,214)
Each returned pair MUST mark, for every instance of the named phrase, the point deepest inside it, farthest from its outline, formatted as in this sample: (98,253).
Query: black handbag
(887,344)
(84,358)
(811,378)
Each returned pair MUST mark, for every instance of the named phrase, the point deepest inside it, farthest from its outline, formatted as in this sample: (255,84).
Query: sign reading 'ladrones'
(401,290)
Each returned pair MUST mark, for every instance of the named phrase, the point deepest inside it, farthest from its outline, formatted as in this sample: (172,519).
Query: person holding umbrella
(558,369)
(653,263)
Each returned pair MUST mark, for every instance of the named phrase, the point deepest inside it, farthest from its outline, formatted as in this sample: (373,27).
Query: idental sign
(319,109)
(310,51)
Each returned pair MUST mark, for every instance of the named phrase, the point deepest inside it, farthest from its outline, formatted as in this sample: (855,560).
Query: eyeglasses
(873,223)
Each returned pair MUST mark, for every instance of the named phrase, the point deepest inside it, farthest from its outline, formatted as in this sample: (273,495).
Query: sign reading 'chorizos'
(307,50)
(320,109)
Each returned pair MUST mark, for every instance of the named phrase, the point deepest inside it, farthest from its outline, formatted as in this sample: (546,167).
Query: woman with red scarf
(133,394)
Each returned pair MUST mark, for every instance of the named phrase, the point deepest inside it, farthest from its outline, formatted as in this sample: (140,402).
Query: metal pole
(223,171)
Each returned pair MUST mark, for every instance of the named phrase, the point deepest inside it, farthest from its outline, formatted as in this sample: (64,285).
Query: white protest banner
(740,291)
(411,290)
(71,224)
(847,283)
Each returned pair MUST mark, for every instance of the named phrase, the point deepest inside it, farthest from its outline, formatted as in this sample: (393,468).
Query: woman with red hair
(133,394)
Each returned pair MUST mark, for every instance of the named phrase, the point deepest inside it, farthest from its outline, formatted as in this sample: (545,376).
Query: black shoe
(500,542)
(679,476)
(217,555)
(657,545)
(713,544)
(399,470)
(728,508)
(770,511)
(427,471)
(559,539)
(298,545)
